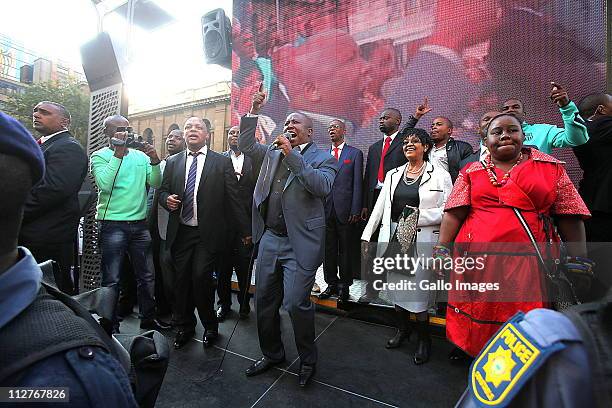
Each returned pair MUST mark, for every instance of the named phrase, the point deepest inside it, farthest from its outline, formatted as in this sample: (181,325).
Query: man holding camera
(122,172)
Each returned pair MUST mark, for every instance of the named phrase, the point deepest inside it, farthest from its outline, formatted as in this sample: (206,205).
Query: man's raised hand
(259,100)
(422,109)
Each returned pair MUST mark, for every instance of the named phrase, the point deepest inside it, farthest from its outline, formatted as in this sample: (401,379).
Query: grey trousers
(281,280)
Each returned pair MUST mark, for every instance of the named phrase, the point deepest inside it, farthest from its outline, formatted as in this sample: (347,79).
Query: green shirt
(545,137)
(127,178)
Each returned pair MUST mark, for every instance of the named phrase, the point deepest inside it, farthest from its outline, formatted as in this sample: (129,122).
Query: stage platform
(354,368)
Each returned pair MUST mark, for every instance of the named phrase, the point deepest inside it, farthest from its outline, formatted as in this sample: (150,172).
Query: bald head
(111,124)
(325,74)
(441,130)
(389,121)
(300,127)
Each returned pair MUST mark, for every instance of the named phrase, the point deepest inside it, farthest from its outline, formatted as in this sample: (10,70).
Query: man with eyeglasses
(342,212)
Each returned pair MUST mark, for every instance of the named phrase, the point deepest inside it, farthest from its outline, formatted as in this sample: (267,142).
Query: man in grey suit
(289,226)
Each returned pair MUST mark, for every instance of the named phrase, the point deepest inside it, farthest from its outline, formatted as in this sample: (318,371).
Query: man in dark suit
(197,187)
(51,214)
(383,155)
(158,224)
(342,211)
(237,255)
(289,226)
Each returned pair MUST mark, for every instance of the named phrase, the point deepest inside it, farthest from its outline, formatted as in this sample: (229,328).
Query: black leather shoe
(306,373)
(154,324)
(398,339)
(421,355)
(182,338)
(260,366)
(329,292)
(222,313)
(209,338)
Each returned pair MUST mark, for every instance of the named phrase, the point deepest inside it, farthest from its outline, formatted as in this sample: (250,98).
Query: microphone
(276,146)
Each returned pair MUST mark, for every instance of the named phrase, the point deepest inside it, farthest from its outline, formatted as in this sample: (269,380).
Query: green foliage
(72,94)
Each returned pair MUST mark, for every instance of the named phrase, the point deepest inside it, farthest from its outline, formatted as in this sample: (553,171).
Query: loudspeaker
(103,61)
(217,38)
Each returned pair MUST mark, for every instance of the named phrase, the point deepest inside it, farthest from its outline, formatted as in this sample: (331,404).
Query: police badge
(509,359)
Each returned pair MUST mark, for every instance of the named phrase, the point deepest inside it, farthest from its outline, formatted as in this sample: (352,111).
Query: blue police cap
(15,140)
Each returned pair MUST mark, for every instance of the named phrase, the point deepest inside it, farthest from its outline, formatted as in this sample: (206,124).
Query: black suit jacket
(51,213)
(594,158)
(246,186)
(218,190)
(394,158)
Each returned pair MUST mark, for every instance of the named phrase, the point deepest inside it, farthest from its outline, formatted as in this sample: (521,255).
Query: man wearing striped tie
(200,190)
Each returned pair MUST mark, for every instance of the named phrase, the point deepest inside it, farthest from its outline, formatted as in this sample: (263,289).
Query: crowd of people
(186,222)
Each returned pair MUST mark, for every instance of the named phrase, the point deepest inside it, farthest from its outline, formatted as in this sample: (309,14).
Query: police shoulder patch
(503,366)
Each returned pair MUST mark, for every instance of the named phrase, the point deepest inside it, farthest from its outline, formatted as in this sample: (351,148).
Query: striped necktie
(187,211)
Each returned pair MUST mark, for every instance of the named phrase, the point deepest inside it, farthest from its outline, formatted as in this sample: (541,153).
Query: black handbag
(561,292)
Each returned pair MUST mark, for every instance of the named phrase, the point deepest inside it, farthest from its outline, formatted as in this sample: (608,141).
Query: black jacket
(246,186)
(217,191)
(394,158)
(594,159)
(456,152)
(51,213)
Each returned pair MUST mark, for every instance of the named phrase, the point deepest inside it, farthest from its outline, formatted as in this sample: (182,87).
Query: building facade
(20,67)
(211,103)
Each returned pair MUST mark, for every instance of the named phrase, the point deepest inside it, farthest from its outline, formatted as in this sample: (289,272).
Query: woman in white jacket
(417,183)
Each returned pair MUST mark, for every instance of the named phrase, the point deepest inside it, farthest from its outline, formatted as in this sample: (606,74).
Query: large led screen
(349,59)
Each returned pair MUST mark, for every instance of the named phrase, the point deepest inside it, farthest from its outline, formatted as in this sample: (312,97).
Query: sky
(164,61)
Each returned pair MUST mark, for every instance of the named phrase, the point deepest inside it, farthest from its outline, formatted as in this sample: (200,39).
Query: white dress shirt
(438,157)
(340,147)
(201,158)
(378,183)
(238,162)
(45,138)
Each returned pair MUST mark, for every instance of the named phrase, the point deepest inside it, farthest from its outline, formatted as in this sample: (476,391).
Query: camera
(130,141)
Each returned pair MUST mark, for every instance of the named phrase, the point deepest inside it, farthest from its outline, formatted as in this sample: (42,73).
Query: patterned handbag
(407,228)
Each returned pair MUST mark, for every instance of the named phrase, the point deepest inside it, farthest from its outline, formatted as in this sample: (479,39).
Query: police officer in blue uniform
(546,359)
(43,343)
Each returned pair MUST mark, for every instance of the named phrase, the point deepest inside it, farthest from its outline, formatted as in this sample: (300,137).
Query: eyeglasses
(333,127)
(411,141)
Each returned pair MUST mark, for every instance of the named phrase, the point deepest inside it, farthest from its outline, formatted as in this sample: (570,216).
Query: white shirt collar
(391,136)
(233,154)
(302,146)
(340,146)
(45,138)
(203,150)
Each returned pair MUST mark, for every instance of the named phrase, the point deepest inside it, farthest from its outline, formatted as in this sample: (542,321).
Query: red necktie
(336,153)
(39,141)
(381,168)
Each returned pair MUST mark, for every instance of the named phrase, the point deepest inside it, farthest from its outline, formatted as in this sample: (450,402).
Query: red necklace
(493,177)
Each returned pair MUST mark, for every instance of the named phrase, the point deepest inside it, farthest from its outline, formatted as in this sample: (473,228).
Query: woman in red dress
(480,218)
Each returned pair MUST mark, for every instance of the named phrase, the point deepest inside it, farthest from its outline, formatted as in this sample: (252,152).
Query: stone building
(211,103)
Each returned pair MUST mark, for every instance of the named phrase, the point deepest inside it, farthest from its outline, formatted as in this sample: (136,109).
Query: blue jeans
(133,237)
